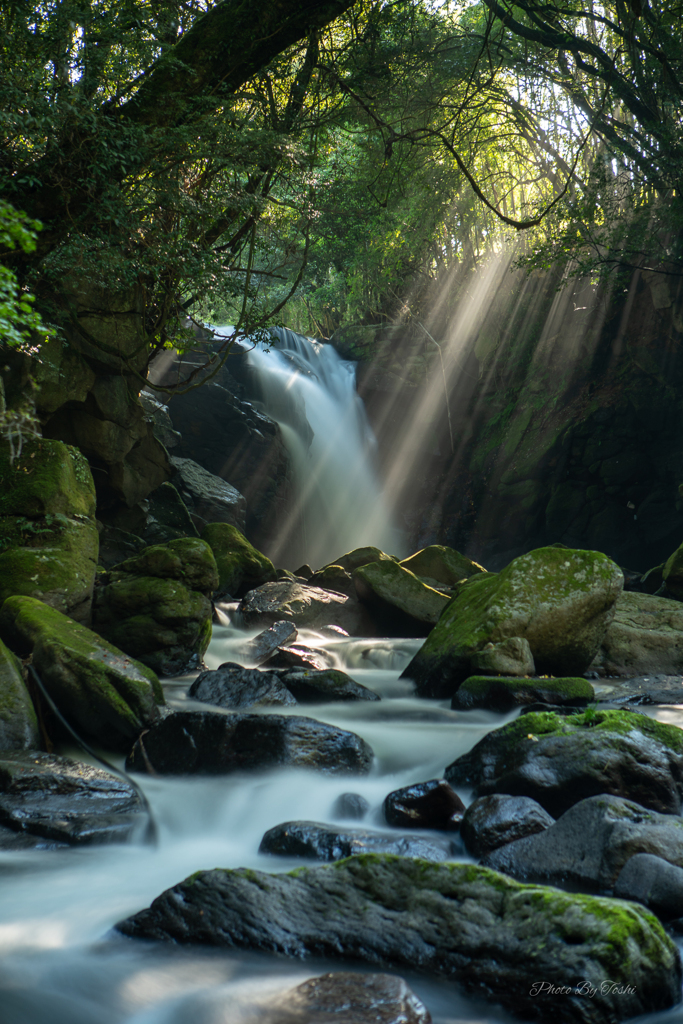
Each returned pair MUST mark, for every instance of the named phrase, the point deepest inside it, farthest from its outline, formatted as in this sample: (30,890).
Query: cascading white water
(311,393)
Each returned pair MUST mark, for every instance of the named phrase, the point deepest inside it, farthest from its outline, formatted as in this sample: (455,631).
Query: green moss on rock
(498,693)
(387,585)
(446,565)
(187,559)
(18,722)
(240,566)
(48,477)
(360,556)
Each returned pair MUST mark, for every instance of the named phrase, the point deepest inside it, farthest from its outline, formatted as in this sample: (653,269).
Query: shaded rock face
(358,557)
(560,601)
(589,845)
(463,922)
(105,695)
(442,564)
(155,606)
(240,566)
(266,643)
(48,537)
(18,722)
(350,807)
(645,637)
(432,804)
(505,694)
(234,687)
(299,656)
(66,801)
(348,998)
(317,687)
(559,760)
(334,578)
(304,606)
(511,657)
(397,598)
(325,842)
(653,881)
(493,821)
(209,498)
(207,743)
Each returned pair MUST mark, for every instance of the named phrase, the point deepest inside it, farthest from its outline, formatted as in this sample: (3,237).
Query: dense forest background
(479,202)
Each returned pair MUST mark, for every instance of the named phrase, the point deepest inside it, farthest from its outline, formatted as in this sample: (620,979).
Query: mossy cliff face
(561,601)
(240,565)
(104,694)
(156,606)
(495,936)
(48,538)
(18,722)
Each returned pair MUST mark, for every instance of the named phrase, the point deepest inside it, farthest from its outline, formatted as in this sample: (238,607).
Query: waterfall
(338,504)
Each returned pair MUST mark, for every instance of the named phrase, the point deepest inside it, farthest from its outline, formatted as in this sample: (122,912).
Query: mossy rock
(18,722)
(102,693)
(358,557)
(446,565)
(387,587)
(498,693)
(187,559)
(168,517)
(561,759)
(240,566)
(52,558)
(334,577)
(460,921)
(560,600)
(673,573)
(47,477)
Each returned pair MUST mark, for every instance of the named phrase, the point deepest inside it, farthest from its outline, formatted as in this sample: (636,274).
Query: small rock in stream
(348,998)
(493,821)
(231,686)
(299,656)
(433,804)
(267,642)
(317,687)
(315,841)
(350,806)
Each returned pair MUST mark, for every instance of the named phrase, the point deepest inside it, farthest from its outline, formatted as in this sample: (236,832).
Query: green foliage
(20,324)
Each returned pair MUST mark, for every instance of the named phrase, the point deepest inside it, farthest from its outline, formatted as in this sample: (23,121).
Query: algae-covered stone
(104,694)
(240,565)
(495,936)
(511,657)
(47,477)
(360,556)
(559,760)
(388,589)
(501,694)
(334,577)
(644,638)
(446,565)
(561,601)
(187,559)
(18,722)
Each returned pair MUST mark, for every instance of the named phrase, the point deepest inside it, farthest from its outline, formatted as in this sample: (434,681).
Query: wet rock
(105,695)
(158,415)
(266,643)
(644,637)
(207,743)
(653,881)
(396,596)
(304,606)
(334,578)
(66,801)
(314,841)
(350,806)
(493,821)
(433,804)
(209,498)
(315,687)
(443,564)
(234,687)
(18,722)
(359,556)
(11,840)
(240,566)
(167,517)
(304,571)
(300,656)
(589,845)
(505,694)
(559,760)
(347,998)
(460,921)
(155,606)
(643,690)
(116,545)
(511,657)
(561,601)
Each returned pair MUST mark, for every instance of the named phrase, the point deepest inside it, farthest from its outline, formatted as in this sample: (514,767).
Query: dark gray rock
(208,743)
(504,694)
(11,840)
(494,936)
(325,842)
(304,606)
(654,882)
(66,801)
(167,516)
(559,760)
(267,642)
(347,998)
(234,687)
(300,656)
(493,821)
(315,687)
(433,804)
(350,806)
(209,498)
(589,845)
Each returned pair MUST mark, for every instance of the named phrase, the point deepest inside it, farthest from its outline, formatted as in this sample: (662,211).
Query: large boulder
(18,721)
(516,944)
(359,556)
(208,743)
(442,565)
(304,606)
(326,842)
(156,605)
(240,566)
(561,601)
(504,694)
(559,760)
(66,801)
(102,693)
(589,845)
(233,687)
(644,638)
(397,598)
(653,881)
(48,537)
(349,998)
(209,498)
